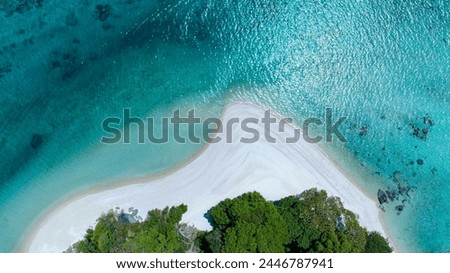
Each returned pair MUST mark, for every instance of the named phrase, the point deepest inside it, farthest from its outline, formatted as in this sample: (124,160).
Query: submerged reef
(422,131)
(36,141)
(5,69)
(398,195)
(102,12)
(9,7)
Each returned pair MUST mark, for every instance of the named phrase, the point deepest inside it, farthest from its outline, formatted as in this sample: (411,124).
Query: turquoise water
(66,66)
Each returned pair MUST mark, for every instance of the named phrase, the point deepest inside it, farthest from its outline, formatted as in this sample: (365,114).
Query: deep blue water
(67,65)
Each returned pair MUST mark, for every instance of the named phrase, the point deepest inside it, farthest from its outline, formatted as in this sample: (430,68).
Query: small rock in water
(434,170)
(36,141)
(419,161)
(420,133)
(427,120)
(382,197)
(363,131)
(391,195)
(399,208)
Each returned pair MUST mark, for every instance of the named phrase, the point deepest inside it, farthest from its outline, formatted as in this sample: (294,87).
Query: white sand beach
(221,170)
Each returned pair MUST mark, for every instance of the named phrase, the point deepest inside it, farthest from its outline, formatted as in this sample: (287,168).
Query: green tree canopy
(318,223)
(158,233)
(376,243)
(247,223)
(309,222)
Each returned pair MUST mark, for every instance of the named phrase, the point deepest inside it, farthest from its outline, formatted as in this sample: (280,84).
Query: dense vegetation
(310,222)
(247,223)
(158,233)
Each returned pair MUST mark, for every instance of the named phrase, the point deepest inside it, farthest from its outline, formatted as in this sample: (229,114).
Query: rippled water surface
(67,65)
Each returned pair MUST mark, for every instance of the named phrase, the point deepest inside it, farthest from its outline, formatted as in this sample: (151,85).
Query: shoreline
(190,183)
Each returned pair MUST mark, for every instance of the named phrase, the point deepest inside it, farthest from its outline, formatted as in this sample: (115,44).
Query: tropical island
(217,172)
(311,222)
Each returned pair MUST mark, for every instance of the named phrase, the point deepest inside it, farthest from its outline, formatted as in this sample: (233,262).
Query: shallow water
(385,65)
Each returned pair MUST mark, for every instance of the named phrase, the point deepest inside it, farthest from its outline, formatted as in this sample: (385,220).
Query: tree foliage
(247,223)
(318,223)
(158,233)
(376,243)
(309,222)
